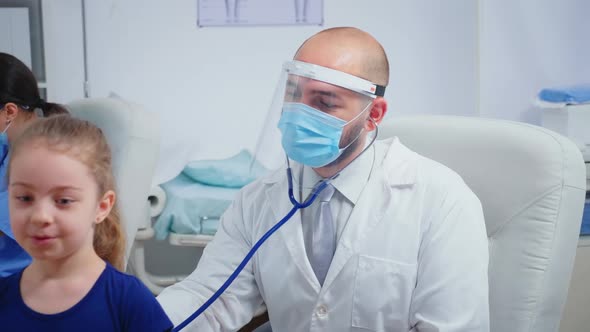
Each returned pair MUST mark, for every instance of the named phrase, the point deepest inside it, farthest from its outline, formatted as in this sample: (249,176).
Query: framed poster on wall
(259,12)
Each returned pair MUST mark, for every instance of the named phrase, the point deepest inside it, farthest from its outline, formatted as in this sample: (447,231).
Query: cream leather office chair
(134,137)
(531,183)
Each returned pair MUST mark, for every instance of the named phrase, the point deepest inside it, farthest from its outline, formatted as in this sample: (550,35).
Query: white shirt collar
(349,183)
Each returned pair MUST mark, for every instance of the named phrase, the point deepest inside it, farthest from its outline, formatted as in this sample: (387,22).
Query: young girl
(63,213)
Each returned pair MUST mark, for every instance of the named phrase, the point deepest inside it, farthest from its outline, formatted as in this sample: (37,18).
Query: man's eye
(327,104)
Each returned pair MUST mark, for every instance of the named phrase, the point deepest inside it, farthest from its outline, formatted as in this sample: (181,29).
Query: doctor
(19,99)
(396,242)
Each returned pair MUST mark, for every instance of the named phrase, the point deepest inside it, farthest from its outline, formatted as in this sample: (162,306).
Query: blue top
(116,302)
(13,258)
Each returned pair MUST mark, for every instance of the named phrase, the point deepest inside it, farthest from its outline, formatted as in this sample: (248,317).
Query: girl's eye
(24,198)
(64,201)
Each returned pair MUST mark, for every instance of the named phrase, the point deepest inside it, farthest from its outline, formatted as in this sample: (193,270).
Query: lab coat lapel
(291,231)
(396,169)
(367,213)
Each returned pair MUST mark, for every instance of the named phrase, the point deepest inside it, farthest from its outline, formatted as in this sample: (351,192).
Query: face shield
(317,117)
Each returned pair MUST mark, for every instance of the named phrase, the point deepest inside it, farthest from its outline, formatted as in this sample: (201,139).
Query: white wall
(528,45)
(64,50)
(212,86)
(15,36)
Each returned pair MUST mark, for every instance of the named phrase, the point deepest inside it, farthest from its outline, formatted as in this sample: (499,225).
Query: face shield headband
(334,77)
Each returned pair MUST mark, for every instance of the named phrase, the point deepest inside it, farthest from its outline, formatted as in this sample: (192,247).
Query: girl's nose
(42,214)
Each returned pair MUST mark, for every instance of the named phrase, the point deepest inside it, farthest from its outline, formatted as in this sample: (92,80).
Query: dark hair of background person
(18,85)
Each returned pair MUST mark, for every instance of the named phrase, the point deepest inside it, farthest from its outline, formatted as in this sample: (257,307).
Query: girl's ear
(105,205)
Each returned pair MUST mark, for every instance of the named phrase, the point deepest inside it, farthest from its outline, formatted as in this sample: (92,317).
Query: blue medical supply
(234,172)
(192,207)
(3,145)
(310,137)
(296,206)
(576,94)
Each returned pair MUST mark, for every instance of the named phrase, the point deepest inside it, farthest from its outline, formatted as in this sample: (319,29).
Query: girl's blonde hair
(85,142)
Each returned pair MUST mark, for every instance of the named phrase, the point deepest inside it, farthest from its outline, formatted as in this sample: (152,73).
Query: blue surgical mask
(4,144)
(311,137)
(3,158)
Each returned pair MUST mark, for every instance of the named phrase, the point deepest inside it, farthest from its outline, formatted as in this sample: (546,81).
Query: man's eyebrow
(326,93)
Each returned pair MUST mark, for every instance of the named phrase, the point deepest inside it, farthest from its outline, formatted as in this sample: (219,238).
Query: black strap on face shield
(379,90)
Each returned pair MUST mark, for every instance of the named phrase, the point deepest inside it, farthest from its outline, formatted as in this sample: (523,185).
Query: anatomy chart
(259,12)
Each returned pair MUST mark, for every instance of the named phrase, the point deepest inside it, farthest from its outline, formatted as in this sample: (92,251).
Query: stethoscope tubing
(296,206)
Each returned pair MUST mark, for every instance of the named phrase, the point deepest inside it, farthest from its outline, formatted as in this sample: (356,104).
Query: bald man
(393,242)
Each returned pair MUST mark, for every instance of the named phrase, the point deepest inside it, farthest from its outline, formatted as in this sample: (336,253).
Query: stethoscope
(321,185)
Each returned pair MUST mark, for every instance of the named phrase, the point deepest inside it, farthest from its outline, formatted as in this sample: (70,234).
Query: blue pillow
(234,172)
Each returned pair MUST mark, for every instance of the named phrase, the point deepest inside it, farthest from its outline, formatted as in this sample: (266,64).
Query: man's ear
(377,112)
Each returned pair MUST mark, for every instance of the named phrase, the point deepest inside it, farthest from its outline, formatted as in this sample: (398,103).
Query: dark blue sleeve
(142,312)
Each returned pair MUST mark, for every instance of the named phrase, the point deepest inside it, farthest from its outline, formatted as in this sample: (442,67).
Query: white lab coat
(412,257)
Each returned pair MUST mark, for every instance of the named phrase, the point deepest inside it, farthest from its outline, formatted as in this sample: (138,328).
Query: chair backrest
(531,183)
(134,137)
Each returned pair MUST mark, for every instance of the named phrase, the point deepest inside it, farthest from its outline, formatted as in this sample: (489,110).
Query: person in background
(63,213)
(20,104)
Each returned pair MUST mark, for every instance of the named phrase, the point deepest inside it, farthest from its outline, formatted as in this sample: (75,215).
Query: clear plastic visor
(331,103)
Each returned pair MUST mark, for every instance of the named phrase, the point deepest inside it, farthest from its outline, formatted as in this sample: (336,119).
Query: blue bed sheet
(192,207)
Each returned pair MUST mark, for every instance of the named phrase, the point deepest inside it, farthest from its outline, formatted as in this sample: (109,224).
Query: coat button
(321,310)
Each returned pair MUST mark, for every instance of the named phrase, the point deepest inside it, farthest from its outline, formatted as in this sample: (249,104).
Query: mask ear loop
(8,123)
(363,111)
(360,132)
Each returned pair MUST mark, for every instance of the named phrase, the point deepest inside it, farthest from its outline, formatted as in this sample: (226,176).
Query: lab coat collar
(349,183)
(353,178)
(400,163)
